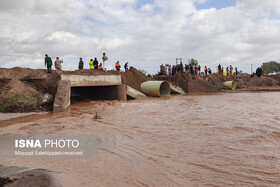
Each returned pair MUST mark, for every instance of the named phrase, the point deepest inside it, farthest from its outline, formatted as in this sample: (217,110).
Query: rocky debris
(4,181)
(46,99)
(18,176)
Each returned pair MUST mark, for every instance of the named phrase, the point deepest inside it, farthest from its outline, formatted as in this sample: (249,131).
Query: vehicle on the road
(272,73)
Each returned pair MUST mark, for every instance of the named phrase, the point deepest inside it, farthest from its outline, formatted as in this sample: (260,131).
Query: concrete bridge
(103,87)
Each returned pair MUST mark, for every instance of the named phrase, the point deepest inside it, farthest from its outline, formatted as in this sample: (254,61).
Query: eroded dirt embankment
(24,89)
(214,83)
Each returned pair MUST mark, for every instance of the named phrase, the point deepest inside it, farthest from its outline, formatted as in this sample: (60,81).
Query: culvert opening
(94,93)
(164,89)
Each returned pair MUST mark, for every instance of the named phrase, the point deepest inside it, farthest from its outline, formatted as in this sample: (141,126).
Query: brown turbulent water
(210,140)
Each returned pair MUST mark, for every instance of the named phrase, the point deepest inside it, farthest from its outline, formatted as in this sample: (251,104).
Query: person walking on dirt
(230,70)
(48,63)
(118,66)
(167,69)
(219,69)
(205,70)
(227,70)
(91,64)
(104,58)
(199,69)
(57,64)
(173,70)
(81,64)
(181,67)
(95,63)
(259,72)
(126,66)
(187,68)
(191,69)
(236,72)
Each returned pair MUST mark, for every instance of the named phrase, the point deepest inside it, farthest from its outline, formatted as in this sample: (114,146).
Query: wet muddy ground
(229,139)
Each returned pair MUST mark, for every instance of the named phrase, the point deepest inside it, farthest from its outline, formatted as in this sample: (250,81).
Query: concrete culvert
(230,85)
(156,88)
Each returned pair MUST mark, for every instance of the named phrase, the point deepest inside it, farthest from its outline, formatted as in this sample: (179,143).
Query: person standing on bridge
(81,64)
(91,64)
(48,63)
(100,67)
(95,63)
(104,58)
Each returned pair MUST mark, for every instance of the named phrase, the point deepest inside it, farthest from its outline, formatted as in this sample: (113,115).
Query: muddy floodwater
(230,139)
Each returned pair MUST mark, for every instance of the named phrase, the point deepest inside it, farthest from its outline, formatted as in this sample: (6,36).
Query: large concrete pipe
(230,85)
(156,88)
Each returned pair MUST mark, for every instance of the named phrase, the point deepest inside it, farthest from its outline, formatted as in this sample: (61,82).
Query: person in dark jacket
(48,63)
(81,64)
(126,66)
(95,63)
(191,69)
(181,67)
(199,69)
(259,72)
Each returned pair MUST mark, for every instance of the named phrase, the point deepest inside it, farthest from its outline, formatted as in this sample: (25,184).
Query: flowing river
(229,139)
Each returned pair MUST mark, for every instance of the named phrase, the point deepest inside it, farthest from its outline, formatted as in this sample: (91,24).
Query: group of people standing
(229,70)
(193,69)
(93,64)
(57,63)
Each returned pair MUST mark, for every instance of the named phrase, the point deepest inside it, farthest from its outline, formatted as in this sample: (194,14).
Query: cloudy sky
(146,33)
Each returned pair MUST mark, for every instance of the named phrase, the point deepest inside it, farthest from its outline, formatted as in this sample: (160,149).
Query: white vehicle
(272,73)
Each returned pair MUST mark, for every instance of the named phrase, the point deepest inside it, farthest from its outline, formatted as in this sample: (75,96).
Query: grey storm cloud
(146,36)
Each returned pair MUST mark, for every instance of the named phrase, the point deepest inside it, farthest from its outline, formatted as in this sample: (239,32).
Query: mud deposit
(227,139)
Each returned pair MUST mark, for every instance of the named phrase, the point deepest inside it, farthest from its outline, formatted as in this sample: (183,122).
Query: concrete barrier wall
(90,80)
(62,96)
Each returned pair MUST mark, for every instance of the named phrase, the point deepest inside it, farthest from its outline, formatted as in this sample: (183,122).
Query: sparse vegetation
(13,102)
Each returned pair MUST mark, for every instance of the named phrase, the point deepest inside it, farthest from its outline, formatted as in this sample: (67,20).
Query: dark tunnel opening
(94,93)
